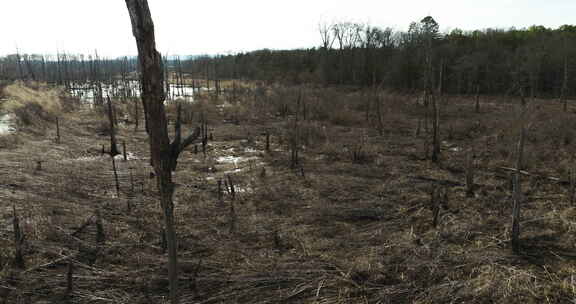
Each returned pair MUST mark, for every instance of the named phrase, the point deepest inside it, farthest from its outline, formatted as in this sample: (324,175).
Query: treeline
(531,61)
(534,60)
(70,70)
(66,69)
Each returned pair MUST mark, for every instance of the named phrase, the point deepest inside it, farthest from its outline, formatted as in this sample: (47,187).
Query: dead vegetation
(363,217)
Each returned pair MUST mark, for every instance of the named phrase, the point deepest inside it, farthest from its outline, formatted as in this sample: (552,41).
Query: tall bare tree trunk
(564,89)
(436,120)
(163,153)
(113,145)
(517,196)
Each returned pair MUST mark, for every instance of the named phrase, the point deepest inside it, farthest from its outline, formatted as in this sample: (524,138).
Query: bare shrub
(311,133)
(191,111)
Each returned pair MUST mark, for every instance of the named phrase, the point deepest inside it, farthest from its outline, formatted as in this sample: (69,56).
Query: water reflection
(88,92)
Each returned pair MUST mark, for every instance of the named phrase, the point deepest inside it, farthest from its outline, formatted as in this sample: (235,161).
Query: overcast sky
(200,27)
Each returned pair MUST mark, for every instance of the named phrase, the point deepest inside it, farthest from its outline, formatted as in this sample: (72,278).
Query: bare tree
(325,33)
(113,144)
(163,153)
(436,117)
(327,41)
(348,36)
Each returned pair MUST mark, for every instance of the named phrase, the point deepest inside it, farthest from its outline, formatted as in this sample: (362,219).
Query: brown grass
(346,232)
(34,103)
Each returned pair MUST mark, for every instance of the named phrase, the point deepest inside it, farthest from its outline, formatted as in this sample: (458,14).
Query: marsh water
(87,92)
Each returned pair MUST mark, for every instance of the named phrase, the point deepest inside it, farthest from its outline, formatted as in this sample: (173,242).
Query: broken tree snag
(39,165)
(517,195)
(113,146)
(470,173)
(18,241)
(163,153)
(477,99)
(136,115)
(177,145)
(435,205)
(572,186)
(233,218)
(116,181)
(57,130)
(100,235)
(69,279)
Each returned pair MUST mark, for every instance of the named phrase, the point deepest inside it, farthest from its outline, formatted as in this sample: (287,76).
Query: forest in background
(497,60)
(489,61)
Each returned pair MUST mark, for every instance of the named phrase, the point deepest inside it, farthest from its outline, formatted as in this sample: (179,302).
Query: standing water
(88,91)
(6,123)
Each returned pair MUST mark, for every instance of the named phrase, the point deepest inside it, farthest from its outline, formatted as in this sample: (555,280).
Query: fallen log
(443,182)
(526,173)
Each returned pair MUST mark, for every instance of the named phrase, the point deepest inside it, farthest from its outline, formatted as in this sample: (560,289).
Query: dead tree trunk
(470,173)
(113,146)
(116,181)
(161,150)
(564,89)
(136,116)
(69,280)
(572,186)
(18,241)
(436,120)
(477,99)
(517,197)
(57,130)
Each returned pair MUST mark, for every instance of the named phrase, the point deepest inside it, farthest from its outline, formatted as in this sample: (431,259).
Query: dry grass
(347,231)
(20,95)
(34,103)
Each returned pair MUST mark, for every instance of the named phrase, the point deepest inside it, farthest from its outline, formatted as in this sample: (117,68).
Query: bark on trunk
(163,153)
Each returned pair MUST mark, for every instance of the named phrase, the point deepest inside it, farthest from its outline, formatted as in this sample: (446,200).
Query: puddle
(7,124)
(229,159)
(251,150)
(119,157)
(129,156)
(240,189)
(451,146)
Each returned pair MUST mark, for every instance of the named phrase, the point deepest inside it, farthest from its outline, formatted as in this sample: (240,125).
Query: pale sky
(208,27)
